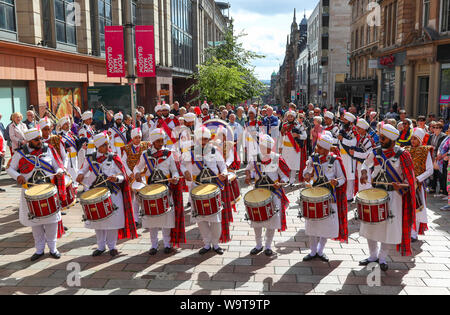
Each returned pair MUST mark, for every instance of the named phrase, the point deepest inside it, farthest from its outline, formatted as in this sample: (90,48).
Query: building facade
(53,51)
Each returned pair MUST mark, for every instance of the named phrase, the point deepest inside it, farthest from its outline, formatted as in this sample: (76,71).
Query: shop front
(387,66)
(444,88)
(13,98)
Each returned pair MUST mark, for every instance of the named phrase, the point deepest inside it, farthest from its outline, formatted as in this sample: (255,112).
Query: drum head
(153,190)
(206,189)
(257,196)
(39,190)
(94,193)
(315,192)
(372,194)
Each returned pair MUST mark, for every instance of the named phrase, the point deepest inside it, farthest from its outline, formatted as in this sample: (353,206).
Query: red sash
(167,130)
(291,138)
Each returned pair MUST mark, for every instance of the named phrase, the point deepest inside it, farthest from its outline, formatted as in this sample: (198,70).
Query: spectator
(271,123)
(442,162)
(392,114)
(175,109)
(17,131)
(183,111)
(30,122)
(402,115)
(2,127)
(240,117)
(100,126)
(2,153)
(435,141)
(224,115)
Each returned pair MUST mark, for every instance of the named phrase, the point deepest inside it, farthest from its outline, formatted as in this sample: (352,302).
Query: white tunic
(347,160)
(422,217)
(289,153)
(13,171)
(272,170)
(86,132)
(212,161)
(389,231)
(72,155)
(117,220)
(118,139)
(169,170)
(329,227)
(366,145)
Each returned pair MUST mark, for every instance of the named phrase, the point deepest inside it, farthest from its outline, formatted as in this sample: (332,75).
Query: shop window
(7,15)
(445,16)
(65,22)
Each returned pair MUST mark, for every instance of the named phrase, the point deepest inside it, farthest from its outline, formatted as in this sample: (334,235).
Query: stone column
(409,97)
(434,89)
(29,21)
(84,37)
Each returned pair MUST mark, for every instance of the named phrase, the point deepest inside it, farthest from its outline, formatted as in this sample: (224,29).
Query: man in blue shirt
(270,123)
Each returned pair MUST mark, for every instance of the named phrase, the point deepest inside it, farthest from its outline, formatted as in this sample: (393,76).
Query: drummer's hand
(352,152)
(397,186)
(84,146)
(248,180)
(334,182)
(138,177)
(131,177)
(60,175)
(188,176)
(173,181)
(80,178)
(223,177)
(307,177)
(112,179)
(21,180)
(277,185)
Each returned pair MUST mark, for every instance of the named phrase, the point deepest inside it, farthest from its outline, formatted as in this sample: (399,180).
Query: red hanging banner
(115,52)
(145,51)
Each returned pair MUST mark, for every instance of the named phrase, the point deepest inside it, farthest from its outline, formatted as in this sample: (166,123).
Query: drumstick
(166,180)
(392,184)
(104,181)
(327,183)
(272,185)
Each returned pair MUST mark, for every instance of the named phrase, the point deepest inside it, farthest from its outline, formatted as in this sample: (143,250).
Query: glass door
(424,84)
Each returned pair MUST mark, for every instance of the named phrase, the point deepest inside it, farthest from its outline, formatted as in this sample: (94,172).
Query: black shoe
(56,255)
(153,252)
(2,190)
(66,228)
(114,252)
(367,262)
(203,251)
(268,252)
(219,251)
(256,251)
(309,257)
(63,213)
(138,225)
(167,250)
(414,240)
(384,267)
(36,257)
(323,258)
(97,253)
(188,205)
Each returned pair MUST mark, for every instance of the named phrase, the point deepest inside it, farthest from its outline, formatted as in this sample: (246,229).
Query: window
(7,15)
(65,22)
(445,16)
(390,24)
(368,35)
(104,19)
(426,12)
(182,43)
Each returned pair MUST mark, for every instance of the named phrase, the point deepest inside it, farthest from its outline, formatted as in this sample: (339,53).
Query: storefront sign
(145,51)
(388,61)
(114,47)
(373,64)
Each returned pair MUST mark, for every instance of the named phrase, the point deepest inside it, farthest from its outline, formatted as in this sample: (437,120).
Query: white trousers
(136,207)
(107,237)
(210,232)
(154,237)
(378,253)
(259,239)
(45,234)
(317,245)
(350,189)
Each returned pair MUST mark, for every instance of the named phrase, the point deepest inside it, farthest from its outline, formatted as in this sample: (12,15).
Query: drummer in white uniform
(71,147)
(22,169)
(107,231)
(328,165)
(203,154)
(164,162)
(269,165)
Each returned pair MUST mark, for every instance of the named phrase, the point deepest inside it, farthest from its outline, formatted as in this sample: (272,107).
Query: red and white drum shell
(373,205)
(97,204)
(42,201)
(259,205)
(154,200)
(235,190)
(71,195)
(316,203)
(206,200)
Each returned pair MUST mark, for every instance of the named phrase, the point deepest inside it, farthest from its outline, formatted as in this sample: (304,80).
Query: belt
(91,146)
(343,152)
(288,144)
(169,142)
(73,155)
(119,144)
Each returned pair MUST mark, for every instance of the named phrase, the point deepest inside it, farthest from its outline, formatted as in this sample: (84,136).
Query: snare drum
(373,205)
(206,200)
(97,204)
(316,203)
(154,200)
(42,201)
(235,190)
(71,195)
(259,205)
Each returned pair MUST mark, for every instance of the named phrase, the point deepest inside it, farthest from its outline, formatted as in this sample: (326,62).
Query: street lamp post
(129,39)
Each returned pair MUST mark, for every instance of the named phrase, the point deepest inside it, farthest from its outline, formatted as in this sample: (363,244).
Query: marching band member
(168,123)
(105,164)
(160,159)
(45,126)
(423,169)
(131,153)
(394,165)
(71,146)
(86,134)
(325,167)
(364,146)
(348,139)
(202,156)
(23,168)
(329,124)
(251,134)
(292,142)
(118,134)
(273,166)
(205,116)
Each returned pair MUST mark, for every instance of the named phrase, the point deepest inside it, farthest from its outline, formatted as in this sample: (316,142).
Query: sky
(267,23)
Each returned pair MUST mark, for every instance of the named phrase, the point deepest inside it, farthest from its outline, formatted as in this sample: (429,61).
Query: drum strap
(324,177)
(68,140)
(392,174)
(43,164)
(118,133)
(97,171)
(152,167)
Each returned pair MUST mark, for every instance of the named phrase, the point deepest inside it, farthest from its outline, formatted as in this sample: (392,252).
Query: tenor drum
(70,193)
(235,190)
(373,205)
(154,200)
(97,204)
(259,205)
(42,201)
(206,200)
(316,203)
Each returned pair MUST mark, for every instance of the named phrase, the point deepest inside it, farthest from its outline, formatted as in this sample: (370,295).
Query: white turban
(350,117)
(329,114)
(100,139)
(362,123)
(419,134)
(201,133)
(189,117)
(165,107)
(291,113)
(252,110)
(156,134)
(32,134)
(86,115)
(45,122)
(158,108)
(205,106)
(136,132)
(390,131)
(118,116)
(266,141)
(325,141)
(64,120)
